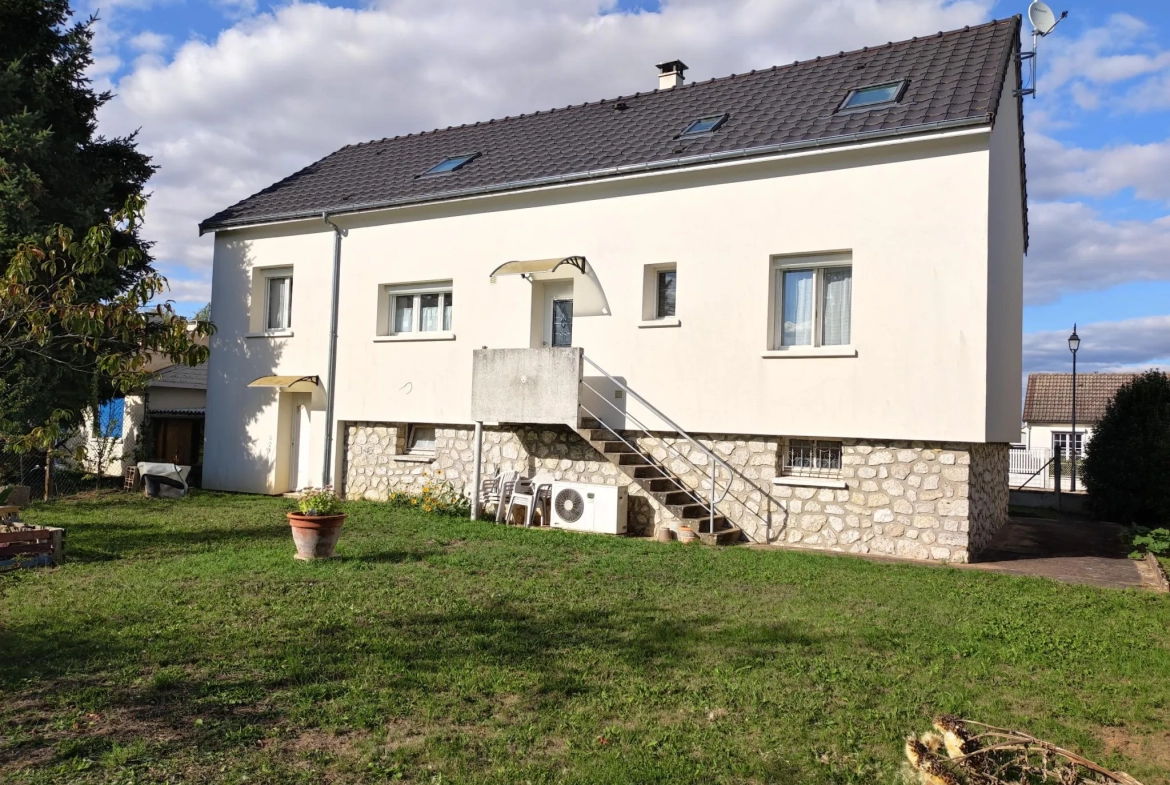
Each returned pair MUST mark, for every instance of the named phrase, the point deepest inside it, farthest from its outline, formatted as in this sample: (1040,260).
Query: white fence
(1032,469)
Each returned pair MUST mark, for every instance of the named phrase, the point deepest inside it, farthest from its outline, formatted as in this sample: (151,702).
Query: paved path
(1063,548)
(1069,550)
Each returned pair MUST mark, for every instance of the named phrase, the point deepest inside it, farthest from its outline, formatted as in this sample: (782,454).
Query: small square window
(812,458)
(863,97)
(420,440)
(451,164)
(704,125)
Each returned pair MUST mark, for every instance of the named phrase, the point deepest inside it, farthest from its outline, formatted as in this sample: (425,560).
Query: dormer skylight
(704,125)
(450,164)
(873,96)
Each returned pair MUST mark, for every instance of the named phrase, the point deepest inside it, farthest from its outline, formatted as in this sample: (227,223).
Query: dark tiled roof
(1049,396)
(181,376)
(953,78)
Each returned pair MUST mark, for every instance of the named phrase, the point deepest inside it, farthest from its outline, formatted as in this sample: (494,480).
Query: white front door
(298,466)
(558,314)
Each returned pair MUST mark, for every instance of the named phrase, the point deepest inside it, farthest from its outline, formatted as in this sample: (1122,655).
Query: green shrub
(1155,541)
(319,501)
(1128,460)
(437,496)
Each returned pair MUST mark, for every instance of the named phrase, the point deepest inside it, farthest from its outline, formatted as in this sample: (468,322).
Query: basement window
(451,164)
(812,458)
(705,125)
(874,95)
(420,440)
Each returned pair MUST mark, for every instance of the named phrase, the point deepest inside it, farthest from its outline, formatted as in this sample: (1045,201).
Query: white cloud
(1130,345)
(1075,249)
(226,118)
(1124,48)
(148,41)
(189,291)
(1056,171)
(1151,95)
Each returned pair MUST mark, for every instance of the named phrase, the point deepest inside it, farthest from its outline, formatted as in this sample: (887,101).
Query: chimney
(670,74)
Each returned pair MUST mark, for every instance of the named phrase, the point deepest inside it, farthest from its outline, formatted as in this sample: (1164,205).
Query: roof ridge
(689,85)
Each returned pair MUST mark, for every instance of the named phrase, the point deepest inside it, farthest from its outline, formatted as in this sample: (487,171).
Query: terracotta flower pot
(686,534)
(315,535)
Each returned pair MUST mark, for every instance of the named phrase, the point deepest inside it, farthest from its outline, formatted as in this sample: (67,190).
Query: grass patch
(182,642)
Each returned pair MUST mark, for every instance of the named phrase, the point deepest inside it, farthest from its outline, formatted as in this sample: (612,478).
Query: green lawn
(182,643)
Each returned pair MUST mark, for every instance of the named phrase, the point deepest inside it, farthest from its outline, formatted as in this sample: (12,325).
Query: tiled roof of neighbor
(181,376)
(1049,396)
(952,79)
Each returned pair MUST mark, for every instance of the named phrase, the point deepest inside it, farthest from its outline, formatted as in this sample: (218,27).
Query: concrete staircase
(656,479)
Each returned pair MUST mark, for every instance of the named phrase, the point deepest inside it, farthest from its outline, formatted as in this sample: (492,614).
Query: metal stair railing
(714,461)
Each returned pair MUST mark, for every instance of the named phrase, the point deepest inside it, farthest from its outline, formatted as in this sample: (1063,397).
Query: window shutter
(110,416)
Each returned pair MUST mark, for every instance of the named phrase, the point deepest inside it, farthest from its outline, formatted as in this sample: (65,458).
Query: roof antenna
(1043,22)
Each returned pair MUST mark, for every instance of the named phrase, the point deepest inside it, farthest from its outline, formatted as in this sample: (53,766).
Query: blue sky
(231,95)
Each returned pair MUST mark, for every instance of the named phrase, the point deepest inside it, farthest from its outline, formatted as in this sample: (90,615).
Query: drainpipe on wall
(327,471)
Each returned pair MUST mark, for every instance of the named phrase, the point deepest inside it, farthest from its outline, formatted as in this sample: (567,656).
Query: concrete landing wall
(538,386)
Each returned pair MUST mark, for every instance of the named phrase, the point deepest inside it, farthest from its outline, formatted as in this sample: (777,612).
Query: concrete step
(661,485)
(612,448)
(690,511)
(676,496)
(634,459)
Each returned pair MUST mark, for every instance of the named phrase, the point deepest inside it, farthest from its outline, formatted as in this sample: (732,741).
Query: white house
(808,277)
(1048,408)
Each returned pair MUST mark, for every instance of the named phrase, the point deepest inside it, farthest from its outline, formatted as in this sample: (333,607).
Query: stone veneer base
(920,500)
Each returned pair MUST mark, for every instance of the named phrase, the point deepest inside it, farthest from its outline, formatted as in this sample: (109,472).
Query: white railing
(716,465)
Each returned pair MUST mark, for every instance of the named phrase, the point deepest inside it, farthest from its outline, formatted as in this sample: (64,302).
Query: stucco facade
(931,225)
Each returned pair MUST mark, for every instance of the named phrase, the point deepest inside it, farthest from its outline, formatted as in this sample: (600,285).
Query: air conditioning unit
(589,508)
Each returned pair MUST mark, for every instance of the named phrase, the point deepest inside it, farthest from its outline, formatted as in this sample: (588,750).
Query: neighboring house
(1048,408)
(814,270)
(163,423)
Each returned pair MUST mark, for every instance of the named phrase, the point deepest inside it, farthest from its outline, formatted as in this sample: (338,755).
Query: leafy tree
(76,272)
(203,314)
(1128,460)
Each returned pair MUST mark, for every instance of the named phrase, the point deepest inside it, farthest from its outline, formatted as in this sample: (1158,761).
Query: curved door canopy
(588,295)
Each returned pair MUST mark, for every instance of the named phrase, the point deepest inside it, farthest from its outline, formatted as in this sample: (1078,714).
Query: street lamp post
(1074,343)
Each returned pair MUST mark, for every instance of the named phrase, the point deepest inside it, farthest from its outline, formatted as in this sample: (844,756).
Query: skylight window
(704,125)
(873,95)
(450,164)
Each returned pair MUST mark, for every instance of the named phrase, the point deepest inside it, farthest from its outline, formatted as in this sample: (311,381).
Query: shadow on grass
(405,661)
(111,541)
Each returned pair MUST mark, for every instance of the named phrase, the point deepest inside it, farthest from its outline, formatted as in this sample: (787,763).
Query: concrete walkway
(1062,547)
(1067,549)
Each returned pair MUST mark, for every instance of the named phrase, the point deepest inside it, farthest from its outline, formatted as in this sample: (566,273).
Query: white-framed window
(278,300)
(420,440)
(812,458)
(1064,440)
(812,301)
(422,309)
(665,287)
(660,295)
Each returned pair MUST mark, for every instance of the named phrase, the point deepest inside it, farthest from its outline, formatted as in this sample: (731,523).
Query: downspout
(327,470)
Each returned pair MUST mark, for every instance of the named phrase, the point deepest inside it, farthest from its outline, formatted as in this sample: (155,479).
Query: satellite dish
(1041,17)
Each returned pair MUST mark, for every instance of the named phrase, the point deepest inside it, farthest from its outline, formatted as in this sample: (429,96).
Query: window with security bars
(812,458)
